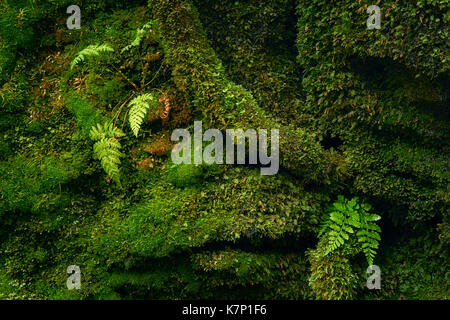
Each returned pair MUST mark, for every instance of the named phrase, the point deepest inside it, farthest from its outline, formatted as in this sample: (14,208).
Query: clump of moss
(332,277)
(186,175)
(5,150)
(199,72)
(87,116)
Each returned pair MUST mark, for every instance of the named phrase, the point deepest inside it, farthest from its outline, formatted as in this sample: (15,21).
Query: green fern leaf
(92,50)
(324,225)
(139,37)
(107,148)
(139,109)
(348,219)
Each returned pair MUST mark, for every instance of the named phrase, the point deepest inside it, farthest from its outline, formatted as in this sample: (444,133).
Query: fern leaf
(374,227)
(89,51)
(349,219)
(139,37)
(139,109)
(324,225)
(107,130)
(107,148)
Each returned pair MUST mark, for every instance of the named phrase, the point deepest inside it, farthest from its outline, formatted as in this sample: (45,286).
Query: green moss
(5,150)
(378,94)
(7,62)
(87,116)
(106,91)
(361,113)
(28,185)
(186,175)
(332,277)
(198,71)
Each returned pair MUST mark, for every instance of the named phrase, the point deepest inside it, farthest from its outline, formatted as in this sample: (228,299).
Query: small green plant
(142,103)
(107,148)
(92,50)
(347,218)
(139,107)
(139,36)
(348,229)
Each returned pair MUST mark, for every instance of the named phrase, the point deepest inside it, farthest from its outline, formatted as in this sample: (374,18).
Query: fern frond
(139,37)
(324,225)
(107,130)
(139,108)
(344,219)
(92,50)
(107,148)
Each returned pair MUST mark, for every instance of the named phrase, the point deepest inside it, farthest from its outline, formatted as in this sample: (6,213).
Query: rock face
(363,124)
(198,71)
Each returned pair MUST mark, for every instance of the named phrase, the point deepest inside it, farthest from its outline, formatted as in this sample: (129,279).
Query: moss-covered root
(198,71)
(332,277)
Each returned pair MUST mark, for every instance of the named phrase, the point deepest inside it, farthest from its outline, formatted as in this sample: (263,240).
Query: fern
(346,219)
(107,148)
(369,235)
(139,108)
(324,225)
(139,37)
(107,130)
(92,50)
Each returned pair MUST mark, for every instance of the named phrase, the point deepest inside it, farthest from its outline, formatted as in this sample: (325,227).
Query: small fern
(107,130)
(107,148)
(139,37)
(92,50)
(369,234)
(139,109)
(348,218)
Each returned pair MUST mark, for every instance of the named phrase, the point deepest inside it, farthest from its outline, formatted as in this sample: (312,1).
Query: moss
(258,52)
(105,91)
(87,116)
(198,71)
(28,185)
(220,274)
(5,150)
(220,231)
(332,277)
(377,92)
(7,62)
(185,175)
